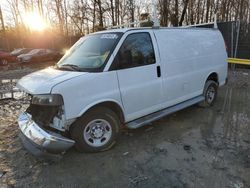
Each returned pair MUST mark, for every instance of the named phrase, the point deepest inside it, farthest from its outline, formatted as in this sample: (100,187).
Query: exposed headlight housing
(48,100)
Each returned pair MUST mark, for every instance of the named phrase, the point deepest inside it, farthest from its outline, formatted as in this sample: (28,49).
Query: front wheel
(210,93)
(96,131)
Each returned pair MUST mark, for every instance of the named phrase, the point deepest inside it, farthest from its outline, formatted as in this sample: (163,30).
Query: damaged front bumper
(39,142)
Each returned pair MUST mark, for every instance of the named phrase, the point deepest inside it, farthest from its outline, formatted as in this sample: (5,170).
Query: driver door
(139,75)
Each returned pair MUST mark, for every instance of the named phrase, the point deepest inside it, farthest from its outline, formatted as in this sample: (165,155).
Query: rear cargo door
(139,75)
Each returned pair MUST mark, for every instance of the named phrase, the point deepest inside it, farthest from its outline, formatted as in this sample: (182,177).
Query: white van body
(184,60)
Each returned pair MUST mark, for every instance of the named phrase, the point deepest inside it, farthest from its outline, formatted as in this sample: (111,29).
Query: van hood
(42,82)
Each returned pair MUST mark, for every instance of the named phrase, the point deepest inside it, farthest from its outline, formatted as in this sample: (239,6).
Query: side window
(41,52)
(136,50)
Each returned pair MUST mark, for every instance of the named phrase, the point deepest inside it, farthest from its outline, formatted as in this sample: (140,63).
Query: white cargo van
(119,77)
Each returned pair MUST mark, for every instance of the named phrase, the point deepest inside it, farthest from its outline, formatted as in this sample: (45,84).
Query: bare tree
(2,20)
(99,4)
(175,13)
(131,9)
(184,12)
(112,12)
(207,10)
(164,12)
(58,4)
(78,17)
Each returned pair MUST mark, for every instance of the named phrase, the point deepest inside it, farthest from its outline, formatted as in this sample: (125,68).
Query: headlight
(50,99)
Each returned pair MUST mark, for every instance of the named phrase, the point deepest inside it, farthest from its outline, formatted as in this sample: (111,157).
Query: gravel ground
(195,147)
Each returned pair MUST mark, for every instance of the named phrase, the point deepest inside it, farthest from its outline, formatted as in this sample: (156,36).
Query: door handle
(158,68)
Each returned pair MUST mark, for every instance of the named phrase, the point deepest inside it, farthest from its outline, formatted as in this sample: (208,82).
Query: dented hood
(42,82)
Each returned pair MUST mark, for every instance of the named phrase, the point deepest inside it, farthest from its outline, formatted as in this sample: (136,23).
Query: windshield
(90,52)
(17,50)
(34,51)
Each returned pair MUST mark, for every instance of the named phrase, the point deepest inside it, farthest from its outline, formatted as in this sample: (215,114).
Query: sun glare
(34,21)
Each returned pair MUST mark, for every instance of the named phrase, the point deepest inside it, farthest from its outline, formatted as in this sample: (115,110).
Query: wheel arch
(111,104)
(213,76)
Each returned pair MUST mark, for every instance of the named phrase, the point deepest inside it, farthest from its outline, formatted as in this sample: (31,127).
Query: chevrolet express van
(121,77)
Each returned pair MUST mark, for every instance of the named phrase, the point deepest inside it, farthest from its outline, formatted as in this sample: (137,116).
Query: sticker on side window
(109,36)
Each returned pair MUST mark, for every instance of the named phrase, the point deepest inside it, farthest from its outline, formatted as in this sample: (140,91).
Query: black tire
(210,87)
(83,127)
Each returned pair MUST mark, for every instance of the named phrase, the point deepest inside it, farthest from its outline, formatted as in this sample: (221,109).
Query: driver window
(136,50)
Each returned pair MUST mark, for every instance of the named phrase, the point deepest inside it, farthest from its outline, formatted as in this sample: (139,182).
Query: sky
(6,11)
(8,17)
(7,14)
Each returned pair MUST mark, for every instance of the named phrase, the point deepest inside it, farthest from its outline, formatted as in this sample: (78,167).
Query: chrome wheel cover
(97,132)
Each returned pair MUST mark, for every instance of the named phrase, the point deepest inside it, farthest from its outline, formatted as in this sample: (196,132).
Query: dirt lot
(196,147)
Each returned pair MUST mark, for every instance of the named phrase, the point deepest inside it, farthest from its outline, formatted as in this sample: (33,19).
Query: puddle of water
(20,95)
(8,80)
(5,81)
(13,95)
(5,95)
(9,90)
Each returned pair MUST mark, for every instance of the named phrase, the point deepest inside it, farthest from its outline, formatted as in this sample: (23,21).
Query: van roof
(124,30)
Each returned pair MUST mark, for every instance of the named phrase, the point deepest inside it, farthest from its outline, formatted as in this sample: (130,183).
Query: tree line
(69,19)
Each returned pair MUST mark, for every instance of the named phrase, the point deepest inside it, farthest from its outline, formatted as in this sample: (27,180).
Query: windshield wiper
(69,66)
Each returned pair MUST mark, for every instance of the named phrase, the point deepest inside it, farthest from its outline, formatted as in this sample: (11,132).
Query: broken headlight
(49,100)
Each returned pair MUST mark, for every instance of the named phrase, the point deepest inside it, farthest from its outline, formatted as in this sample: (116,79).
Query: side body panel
(140,87)
(187,59)
(83,92)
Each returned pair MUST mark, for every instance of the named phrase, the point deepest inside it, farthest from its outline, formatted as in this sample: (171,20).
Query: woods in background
(68,20)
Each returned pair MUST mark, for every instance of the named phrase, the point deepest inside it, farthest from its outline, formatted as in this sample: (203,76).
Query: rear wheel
(210,93)
(96,131)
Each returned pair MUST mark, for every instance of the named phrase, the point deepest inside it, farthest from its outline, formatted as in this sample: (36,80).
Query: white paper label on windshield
(109,36)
